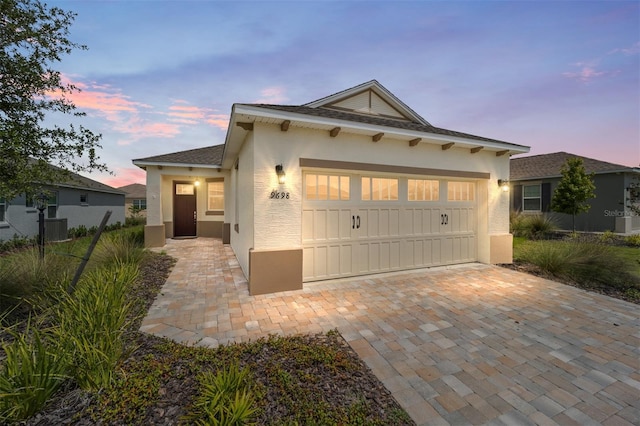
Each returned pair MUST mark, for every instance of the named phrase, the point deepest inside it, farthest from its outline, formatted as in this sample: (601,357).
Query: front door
(184,209)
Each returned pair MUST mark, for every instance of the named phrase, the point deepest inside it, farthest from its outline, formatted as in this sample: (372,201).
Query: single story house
(535,178)
(80,201)
(135,198)
(351,184)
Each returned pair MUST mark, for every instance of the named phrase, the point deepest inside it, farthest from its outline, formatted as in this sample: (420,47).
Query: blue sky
(161,76)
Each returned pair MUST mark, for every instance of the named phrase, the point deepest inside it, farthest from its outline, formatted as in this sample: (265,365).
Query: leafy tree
(33,38)
(574,190)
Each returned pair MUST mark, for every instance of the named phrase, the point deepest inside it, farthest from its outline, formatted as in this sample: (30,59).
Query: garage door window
(423,190)
(327,187)
(460,191)
(379,189)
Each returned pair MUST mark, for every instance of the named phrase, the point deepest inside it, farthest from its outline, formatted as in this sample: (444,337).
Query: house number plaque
(278,195)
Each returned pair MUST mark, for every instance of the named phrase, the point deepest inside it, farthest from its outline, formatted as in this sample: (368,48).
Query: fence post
(86,257)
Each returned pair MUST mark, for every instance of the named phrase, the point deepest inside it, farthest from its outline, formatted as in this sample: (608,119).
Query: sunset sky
(161,76)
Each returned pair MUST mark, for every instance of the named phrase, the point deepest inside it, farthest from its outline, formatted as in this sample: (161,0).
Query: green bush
(125,246)
(225,399)
(91,324)
(633,240)
(25,274)
(587,263)
(536,226)
(31,373)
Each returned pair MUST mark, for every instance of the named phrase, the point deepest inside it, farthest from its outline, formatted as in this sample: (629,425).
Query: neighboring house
(135,197)
(351,184)
(79,201)
(534,179)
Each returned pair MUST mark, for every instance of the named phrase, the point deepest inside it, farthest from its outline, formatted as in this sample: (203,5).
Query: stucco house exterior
(534,179)
(135,196)
(351,184)
(78,201)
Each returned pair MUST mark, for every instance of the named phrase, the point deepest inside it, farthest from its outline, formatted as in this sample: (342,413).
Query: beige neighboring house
(355,183)
(135,195)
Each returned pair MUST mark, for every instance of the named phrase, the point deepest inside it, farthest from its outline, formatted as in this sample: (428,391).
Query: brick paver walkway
(474,344)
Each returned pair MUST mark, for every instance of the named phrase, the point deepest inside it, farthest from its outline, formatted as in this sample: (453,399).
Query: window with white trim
(531,198)
(215,195)
(140,204)
(327,187)
(52,206)
(423,190)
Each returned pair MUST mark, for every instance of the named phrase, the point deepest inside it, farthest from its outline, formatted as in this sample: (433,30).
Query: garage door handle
(444,219)
(358,222)
(353,222)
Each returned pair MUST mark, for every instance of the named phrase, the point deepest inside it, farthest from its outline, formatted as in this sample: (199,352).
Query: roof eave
(143,164)
(252,111)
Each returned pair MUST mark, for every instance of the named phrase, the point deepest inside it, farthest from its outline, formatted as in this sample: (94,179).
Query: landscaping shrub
(531,226)
(31,373)
(91,324)
(225,398)
(24,274)
(633,240)
(125,246)
(588,263)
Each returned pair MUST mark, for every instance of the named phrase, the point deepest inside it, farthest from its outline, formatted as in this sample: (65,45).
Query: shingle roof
(210,155)
(370,119)
(135,190)
(77,181)
(549,165)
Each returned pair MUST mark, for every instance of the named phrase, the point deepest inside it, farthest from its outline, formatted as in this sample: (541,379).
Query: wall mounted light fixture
(282,177)
(197,182)
(503,184)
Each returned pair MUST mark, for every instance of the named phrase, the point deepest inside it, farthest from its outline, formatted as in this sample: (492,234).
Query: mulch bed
(179,386)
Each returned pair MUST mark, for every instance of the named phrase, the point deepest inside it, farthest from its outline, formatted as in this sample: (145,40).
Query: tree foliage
(576,187)
(33,39)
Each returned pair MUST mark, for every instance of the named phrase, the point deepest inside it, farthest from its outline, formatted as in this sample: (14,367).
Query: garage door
(356,224)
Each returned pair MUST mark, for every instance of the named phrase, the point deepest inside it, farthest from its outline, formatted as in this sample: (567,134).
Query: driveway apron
(471,344)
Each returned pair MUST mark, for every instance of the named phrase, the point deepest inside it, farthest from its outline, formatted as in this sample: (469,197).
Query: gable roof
(370,98)
(549,165)
(135,190)
(367,109)
(208,157)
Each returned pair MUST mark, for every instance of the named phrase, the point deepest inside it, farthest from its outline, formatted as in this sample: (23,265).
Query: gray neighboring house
(135,196)
(79,201)
(534,179)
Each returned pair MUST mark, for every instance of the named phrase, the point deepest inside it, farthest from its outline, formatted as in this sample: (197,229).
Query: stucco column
(154,233)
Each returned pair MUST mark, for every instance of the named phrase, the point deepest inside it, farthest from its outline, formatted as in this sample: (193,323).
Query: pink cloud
(125,176)
(272,95)
(588,73)
(101,99)
(220,121)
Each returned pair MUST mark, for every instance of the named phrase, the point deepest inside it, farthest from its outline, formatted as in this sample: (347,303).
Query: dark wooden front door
(184,209)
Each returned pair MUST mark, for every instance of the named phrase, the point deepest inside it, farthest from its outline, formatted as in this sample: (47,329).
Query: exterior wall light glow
(197,182)
(282,177)
(503,184)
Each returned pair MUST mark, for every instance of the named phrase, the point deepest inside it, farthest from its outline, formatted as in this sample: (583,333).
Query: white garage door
(357,224)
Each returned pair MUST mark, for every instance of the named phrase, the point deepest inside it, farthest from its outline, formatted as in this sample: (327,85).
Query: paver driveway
(474,344)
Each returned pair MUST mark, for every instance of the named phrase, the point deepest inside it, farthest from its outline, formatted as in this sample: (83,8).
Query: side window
(423,190)
(460,191)
(140,204)
(84,199)
(215,195)
(327,187)
(531,198)
(52,206)
(379,189)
